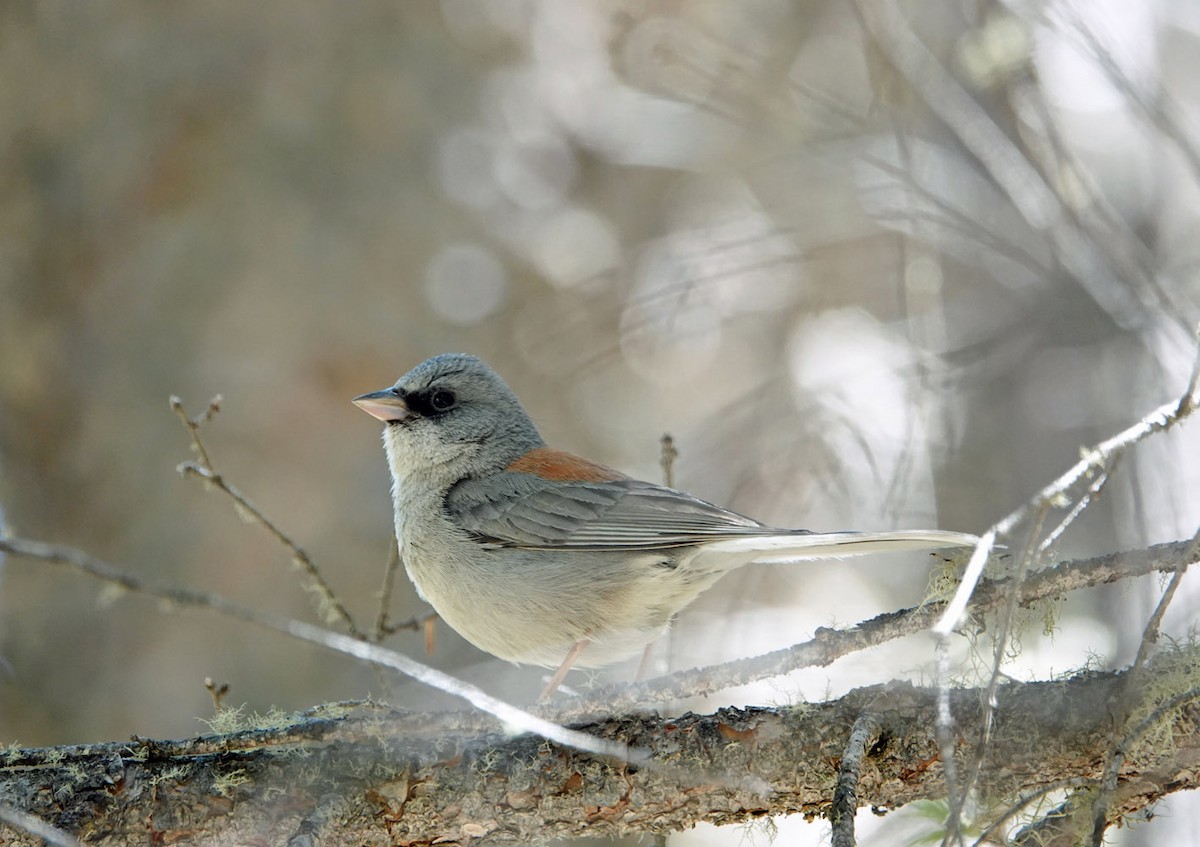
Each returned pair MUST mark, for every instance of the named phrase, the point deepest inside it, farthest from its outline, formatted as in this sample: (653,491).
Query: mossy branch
(364,773)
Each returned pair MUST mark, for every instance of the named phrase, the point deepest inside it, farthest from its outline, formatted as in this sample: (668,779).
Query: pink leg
(644,664)
(557,679)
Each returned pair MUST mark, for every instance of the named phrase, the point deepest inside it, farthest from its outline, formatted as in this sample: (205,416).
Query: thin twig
(863,736)
(417,623)
(516,718)
(217,692)
(35,826)
(1099,462)
(1091,494)
(961,112)
(1059,825)
(1027,563)
(193,424)
(385,592)
(1156,106)
(829,645)
(327,600)
(993,828)
(1190,396)
(1094,459)
(383,626)
(946,740)
(1034,834)
(1131,693)
(669,455)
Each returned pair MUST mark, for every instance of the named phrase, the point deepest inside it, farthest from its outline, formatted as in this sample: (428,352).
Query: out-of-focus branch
(1026,188)
(24,822)
(327,600)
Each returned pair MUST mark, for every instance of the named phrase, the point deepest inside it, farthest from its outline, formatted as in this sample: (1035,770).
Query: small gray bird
(541,557)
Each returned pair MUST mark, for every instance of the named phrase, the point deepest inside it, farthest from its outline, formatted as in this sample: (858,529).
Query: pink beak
(387,405)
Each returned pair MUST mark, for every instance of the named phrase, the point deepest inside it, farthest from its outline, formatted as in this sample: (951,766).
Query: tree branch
(359,773)
(829,645)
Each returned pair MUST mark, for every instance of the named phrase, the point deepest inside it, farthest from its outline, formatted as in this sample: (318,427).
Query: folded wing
(524,510)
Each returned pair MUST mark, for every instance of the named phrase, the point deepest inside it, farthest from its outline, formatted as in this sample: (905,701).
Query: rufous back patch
(560,466)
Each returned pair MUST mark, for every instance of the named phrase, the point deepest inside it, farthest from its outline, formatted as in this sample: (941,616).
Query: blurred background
(872,264)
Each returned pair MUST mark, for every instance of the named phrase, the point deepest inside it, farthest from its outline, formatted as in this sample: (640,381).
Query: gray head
(450,417)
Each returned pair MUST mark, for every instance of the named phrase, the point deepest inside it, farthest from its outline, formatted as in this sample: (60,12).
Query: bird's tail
(792,547)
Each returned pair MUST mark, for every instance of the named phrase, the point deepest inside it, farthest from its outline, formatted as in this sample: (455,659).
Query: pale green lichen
(225,783)
(1174,671)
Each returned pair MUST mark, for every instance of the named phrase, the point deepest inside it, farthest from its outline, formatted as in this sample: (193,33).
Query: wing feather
(523,510)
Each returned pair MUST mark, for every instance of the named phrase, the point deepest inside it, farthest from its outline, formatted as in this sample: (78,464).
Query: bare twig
(863,736)
(669,455)
(193,424)
(514,717)
(1091,494)
(994,828)
(829,645)
(382,626)
(328,602)
(1131,694)
(1189,398)
(1029,192)
(955,106)
(36,826)
(417,623)
(946,739)
(1027,562)
(1056,494)
(1096,464)
(217,692)
(1157,106)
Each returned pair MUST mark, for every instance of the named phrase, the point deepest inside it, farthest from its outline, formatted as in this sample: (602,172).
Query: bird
(541,557)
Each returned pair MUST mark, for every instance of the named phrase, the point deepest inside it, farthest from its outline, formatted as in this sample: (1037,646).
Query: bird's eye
(442,400)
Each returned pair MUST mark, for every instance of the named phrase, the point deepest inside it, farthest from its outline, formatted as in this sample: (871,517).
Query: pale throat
(422,460)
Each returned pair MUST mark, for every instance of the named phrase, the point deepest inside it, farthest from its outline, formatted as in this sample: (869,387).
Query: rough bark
(365,774)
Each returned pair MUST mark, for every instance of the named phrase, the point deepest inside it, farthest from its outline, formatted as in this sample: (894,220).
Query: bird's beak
(387,405)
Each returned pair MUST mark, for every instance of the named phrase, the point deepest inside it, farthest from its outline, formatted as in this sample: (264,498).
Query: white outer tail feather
(832,545)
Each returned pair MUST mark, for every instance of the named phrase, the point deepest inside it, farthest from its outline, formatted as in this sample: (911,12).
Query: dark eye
(442,400)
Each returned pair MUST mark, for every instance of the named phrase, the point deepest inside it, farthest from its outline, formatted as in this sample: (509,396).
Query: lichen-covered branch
(370,775)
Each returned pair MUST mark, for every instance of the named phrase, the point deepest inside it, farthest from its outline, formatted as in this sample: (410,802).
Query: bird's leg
(644,664)
(557,679)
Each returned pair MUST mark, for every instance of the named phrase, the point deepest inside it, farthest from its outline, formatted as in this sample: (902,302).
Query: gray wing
(524,510)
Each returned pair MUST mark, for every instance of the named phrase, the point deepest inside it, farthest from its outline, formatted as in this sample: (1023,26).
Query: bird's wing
(552,500)
(516,509)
